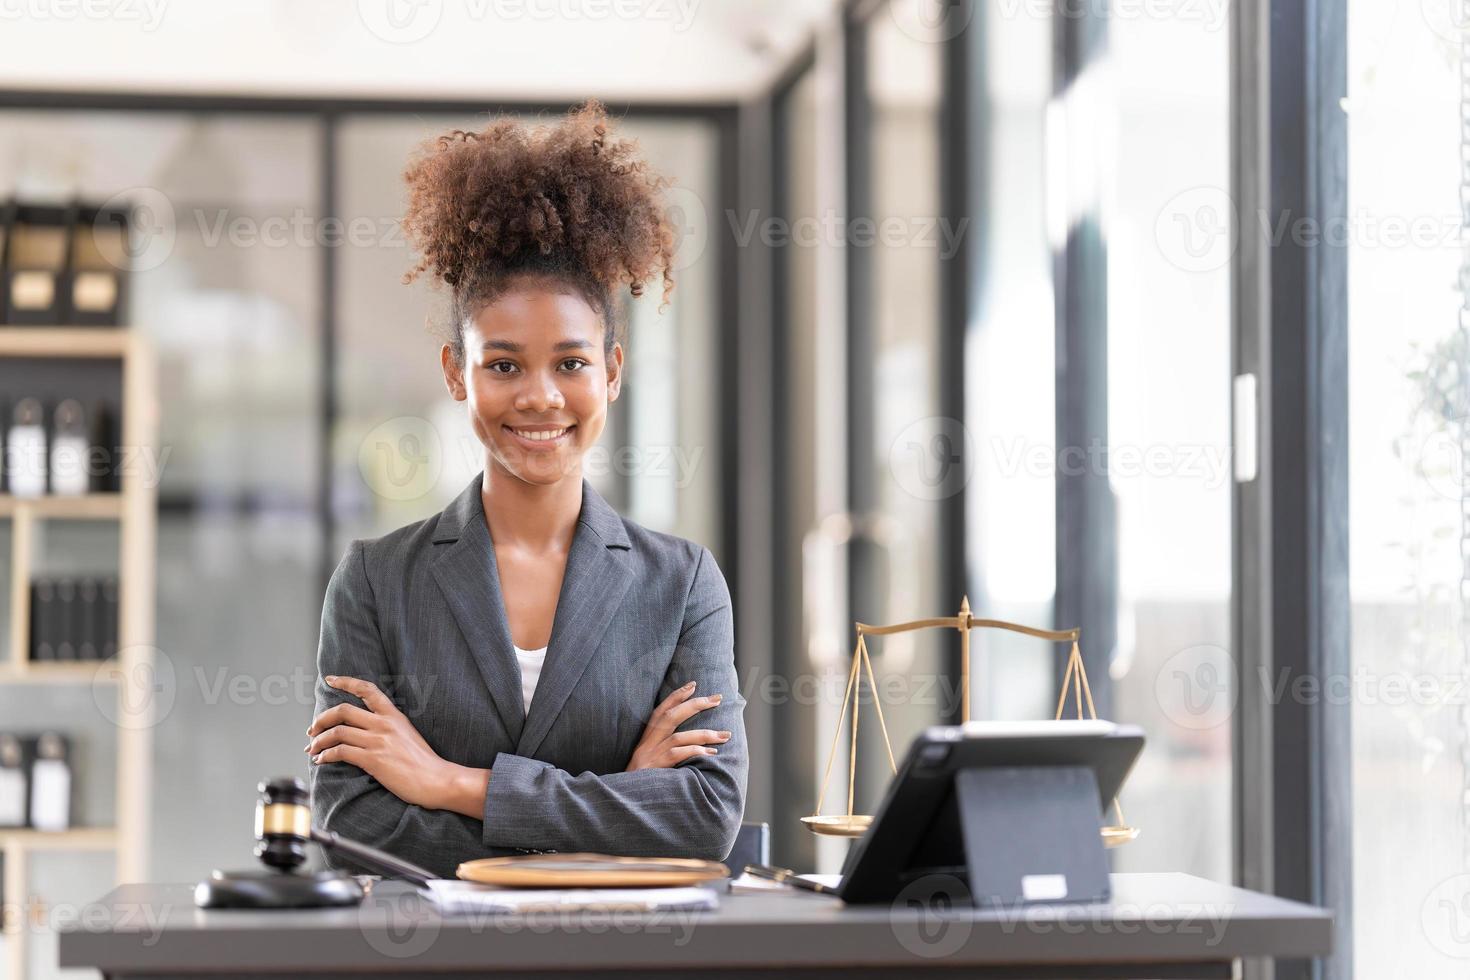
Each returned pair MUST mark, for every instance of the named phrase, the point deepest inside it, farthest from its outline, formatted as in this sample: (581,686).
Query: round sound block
(277,890)
(589,871)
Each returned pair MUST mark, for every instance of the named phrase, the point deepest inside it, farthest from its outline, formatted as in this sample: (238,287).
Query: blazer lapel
(597,577)
(466,571)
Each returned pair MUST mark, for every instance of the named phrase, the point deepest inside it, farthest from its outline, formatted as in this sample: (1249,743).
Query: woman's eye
(500,367)
(574,363)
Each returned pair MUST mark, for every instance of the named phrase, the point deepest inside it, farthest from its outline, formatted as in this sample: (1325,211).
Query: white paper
(451,895)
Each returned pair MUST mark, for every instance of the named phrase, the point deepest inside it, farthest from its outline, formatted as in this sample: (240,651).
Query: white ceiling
(684,51)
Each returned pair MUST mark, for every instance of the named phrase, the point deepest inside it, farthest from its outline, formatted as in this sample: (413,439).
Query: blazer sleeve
(692,810)
(344,798)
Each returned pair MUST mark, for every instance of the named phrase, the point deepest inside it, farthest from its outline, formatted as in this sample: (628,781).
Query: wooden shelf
(76,839)
(64,672)
(135,511)
(91,506)
(64,341)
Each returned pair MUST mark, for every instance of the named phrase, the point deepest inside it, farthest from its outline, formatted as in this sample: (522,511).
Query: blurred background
(1134,317)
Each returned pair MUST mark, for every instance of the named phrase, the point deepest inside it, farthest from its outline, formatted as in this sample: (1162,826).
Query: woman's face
(536,381)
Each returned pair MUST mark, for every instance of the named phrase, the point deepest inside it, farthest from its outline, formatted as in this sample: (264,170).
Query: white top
(531,661)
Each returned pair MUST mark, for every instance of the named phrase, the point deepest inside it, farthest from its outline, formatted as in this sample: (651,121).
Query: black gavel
(283,828)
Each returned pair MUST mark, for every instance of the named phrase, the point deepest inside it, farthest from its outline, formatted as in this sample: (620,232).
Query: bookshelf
(134,509)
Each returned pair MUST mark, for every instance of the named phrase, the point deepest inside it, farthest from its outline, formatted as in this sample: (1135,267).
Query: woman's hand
(663,748)
(380,740)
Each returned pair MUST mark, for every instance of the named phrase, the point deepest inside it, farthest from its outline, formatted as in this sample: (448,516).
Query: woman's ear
(615,372)
(453,373)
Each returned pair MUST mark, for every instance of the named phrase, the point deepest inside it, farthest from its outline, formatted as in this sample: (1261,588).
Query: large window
(1408,432)
(1169,462)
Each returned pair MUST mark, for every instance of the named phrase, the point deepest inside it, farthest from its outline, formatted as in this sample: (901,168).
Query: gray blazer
(418,611)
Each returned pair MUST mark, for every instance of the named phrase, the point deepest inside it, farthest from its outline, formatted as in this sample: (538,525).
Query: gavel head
(282,823)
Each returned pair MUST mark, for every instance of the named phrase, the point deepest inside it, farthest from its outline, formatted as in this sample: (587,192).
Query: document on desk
(451,896)
(749,884)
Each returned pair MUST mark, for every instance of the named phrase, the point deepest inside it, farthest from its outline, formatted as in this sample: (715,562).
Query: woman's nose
(540,394)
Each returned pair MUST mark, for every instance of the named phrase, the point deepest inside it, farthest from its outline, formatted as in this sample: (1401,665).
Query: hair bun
(514,198)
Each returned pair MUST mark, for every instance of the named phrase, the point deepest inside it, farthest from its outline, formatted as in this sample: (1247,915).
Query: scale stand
(1074,682)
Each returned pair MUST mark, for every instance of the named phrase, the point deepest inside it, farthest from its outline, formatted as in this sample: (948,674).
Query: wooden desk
(1157,926)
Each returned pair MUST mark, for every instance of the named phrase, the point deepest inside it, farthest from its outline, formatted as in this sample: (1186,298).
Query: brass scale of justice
(1074,681)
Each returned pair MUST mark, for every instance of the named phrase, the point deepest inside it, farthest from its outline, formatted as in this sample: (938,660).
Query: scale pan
(850,825)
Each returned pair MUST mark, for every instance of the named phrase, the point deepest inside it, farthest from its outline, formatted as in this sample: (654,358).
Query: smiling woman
(423,742)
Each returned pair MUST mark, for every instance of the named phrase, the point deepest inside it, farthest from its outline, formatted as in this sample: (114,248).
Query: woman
(525,671)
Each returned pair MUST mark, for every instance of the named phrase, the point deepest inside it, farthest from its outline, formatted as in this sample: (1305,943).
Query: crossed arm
(375,779)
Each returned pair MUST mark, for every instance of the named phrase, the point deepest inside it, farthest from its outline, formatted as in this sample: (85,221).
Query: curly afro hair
(566,204)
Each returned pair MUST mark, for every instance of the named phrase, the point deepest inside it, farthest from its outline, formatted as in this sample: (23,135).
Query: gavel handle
(371,856)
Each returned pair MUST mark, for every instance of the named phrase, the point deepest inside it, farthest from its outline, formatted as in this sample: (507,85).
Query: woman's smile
(541,437)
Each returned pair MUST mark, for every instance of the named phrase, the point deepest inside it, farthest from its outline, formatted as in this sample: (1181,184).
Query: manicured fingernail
(689,686)
(718,698)
(330,679)
(714,751)
(724,734)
